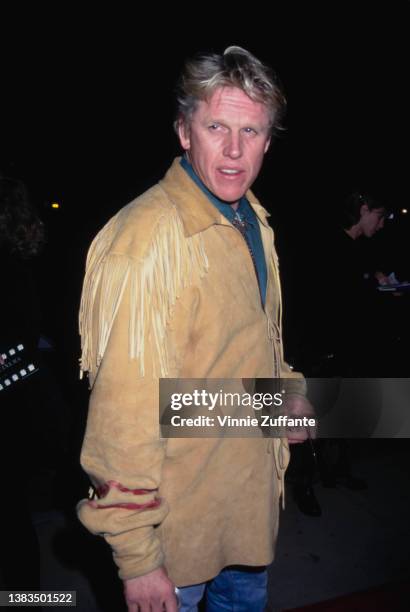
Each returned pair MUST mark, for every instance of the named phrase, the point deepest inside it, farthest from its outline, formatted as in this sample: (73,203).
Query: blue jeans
(235,589)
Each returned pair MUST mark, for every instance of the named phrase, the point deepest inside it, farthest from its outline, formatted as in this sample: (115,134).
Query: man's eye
(249,130)
(214,126)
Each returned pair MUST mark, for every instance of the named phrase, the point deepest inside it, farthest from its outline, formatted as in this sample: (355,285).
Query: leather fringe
(155,284)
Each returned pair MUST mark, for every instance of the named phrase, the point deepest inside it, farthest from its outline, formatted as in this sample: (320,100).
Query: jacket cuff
(132,566)
(131,534)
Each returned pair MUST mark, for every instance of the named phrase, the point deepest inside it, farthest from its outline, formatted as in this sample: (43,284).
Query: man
(348,294)
(183,283)
(362,216)
(347,316)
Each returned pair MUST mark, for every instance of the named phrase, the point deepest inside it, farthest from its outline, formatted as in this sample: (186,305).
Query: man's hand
(298,406)
(153,592)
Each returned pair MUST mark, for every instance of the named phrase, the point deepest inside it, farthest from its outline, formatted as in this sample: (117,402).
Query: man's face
(371,221)
(226,140)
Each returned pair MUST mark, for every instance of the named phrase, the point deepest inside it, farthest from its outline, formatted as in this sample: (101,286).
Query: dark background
(87,106)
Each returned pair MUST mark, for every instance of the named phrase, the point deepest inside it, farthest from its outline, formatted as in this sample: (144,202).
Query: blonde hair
(236,67)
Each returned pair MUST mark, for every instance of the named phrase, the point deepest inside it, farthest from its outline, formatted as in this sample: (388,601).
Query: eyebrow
(257,127)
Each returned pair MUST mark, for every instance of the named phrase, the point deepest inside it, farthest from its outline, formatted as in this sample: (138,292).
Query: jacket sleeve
(122,452)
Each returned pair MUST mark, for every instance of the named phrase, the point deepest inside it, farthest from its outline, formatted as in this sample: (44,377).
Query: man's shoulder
(133,227)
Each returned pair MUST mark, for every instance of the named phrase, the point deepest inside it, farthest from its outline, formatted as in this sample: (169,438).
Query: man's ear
(184,135)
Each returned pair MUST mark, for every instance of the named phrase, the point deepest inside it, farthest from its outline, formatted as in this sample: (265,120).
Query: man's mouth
(230,171)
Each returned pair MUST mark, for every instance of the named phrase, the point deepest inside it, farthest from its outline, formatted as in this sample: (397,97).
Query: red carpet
(392,597)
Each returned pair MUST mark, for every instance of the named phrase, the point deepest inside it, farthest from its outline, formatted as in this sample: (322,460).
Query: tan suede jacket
(171,291)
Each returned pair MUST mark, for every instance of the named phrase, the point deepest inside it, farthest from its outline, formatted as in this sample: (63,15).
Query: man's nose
(233,146)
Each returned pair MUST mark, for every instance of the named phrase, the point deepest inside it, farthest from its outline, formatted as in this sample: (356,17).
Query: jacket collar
(195,209)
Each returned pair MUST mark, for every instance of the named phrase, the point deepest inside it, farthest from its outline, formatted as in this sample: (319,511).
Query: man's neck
(354,232)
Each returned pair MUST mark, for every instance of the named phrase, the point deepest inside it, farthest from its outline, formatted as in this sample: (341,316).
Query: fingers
(152,592)
(154,605)
(171,605)
(297,435)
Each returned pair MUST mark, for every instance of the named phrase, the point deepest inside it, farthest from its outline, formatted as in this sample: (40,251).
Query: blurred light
(404,211)
(55,205)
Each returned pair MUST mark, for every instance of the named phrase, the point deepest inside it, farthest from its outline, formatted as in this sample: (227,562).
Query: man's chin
(229,197)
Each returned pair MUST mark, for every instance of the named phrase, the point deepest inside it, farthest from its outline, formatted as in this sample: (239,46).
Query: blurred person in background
(32,419)
(21,240)
(347,340)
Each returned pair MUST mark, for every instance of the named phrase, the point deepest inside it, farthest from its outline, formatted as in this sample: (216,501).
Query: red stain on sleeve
(103,490)
(155,503)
